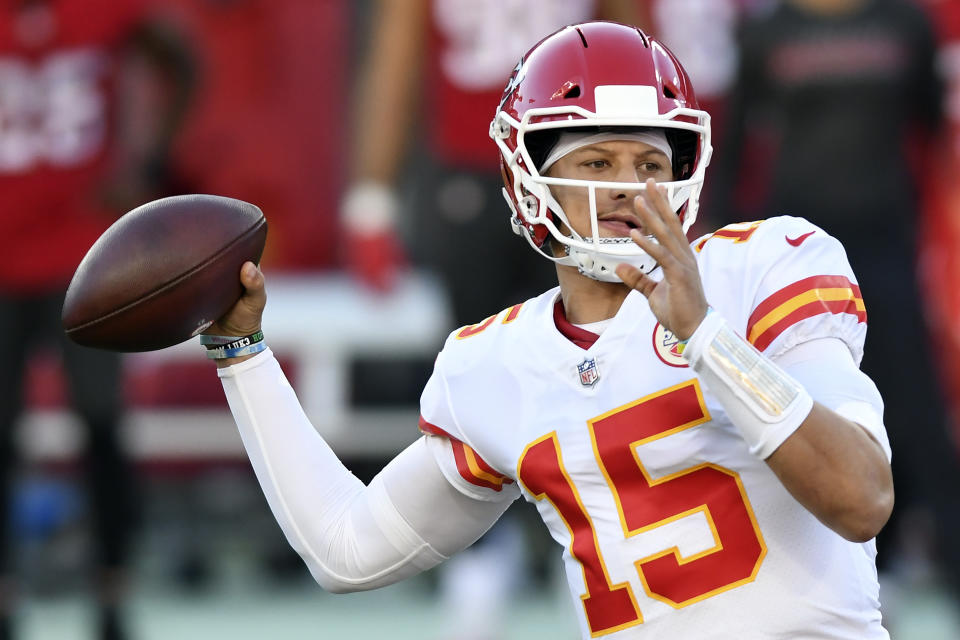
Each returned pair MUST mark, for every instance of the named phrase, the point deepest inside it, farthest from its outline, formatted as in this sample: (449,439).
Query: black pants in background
(94,384)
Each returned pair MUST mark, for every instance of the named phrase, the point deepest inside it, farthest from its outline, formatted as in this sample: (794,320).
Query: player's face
(610,161)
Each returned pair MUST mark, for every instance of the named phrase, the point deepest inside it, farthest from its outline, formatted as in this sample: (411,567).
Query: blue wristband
(221,353)
(683,343)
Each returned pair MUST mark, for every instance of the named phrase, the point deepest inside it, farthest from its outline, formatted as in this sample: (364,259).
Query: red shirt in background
(939,259)
(473,46)
(268,120)
(58,67)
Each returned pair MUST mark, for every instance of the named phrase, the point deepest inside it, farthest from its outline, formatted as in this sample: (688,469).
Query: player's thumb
(255,285)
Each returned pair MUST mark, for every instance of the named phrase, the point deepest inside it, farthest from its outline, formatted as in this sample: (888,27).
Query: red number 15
(645,503)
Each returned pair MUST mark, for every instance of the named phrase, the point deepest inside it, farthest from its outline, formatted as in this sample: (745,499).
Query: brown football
(163,272)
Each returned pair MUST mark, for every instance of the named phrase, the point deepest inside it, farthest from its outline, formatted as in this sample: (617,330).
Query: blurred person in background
(847,99)
(83,137)
(266,121)
(265,125)
(432,71)
(703,33)
(939,259)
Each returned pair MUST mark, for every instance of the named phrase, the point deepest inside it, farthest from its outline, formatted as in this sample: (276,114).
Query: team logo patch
(665,346)
(589,374)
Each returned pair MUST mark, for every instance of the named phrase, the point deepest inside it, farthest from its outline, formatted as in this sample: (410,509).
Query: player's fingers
(655,197)
(653,249)
(649,207)
(251,277)
(635,279)
(658,196)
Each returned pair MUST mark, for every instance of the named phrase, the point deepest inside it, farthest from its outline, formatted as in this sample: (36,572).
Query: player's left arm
(828,462)
(836,463)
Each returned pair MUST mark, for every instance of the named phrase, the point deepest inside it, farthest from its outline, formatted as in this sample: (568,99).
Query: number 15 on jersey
(645,503)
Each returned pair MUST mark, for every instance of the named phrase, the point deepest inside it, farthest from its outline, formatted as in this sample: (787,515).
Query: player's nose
(626,173)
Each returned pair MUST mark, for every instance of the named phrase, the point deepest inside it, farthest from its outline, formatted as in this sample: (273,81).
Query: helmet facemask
(687,132)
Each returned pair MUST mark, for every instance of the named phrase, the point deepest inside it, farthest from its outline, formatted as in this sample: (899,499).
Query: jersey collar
(580,337)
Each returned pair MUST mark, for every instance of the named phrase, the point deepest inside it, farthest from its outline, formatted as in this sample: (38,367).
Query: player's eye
(650,167)
(596,164)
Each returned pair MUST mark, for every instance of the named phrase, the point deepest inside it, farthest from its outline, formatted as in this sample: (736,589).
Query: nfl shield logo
(588,372)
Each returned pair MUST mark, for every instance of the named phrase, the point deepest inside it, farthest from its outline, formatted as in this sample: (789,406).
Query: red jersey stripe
(474,329)
(800,286)
(432,429)
(808,310)
(512,313)
(470,465)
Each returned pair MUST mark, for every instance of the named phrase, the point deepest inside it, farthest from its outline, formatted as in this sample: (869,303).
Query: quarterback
(689,418)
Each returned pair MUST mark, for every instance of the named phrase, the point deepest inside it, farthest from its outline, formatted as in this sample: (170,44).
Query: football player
(689,419)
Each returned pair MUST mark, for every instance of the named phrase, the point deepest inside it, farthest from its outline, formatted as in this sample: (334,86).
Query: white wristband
(369,207)
(762,400)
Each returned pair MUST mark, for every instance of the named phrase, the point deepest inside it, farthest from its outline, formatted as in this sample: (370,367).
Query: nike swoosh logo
(799,239)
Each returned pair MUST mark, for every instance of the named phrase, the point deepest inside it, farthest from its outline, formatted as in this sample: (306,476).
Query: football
(163,272)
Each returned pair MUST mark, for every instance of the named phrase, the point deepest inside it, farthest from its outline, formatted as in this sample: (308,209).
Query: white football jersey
(670,528)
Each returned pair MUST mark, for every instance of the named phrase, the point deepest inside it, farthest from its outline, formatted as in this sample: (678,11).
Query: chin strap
(601,266)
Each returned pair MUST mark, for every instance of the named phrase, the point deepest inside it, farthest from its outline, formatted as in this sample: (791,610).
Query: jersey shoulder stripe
(737,232)
(470,465)
(803,299)
(473,329)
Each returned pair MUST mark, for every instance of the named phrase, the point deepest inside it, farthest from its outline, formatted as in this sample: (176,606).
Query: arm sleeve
(826,368)
(352,537)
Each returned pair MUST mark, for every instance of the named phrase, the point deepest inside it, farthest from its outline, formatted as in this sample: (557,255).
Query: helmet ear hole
(669,93)
(529,206)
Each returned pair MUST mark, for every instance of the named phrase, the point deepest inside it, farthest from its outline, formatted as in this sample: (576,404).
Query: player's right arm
(352,537)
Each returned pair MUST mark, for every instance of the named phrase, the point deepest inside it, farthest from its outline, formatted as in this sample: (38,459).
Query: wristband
(761,399)
(219,353)
(682,344)
(220,347)
(230,342)
(369,207)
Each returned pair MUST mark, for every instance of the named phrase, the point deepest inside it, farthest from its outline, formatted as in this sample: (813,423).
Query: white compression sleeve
(351,537)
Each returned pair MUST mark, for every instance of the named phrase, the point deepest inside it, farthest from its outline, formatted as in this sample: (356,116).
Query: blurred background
(360,128)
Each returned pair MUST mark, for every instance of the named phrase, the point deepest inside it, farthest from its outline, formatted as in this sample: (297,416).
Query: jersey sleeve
(804,289)
(463,467)
(829,373)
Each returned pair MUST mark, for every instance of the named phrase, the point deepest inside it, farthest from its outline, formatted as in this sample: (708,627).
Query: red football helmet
(595,76)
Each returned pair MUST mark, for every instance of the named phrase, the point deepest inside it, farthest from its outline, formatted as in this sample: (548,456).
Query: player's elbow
(333,582)
(865,522)
(335,586)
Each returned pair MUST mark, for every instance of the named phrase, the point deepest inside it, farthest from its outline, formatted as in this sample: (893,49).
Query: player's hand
(678,301)
(245,317)
(375,258)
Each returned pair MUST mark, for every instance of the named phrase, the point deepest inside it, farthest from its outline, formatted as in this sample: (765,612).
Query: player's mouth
(617,224)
